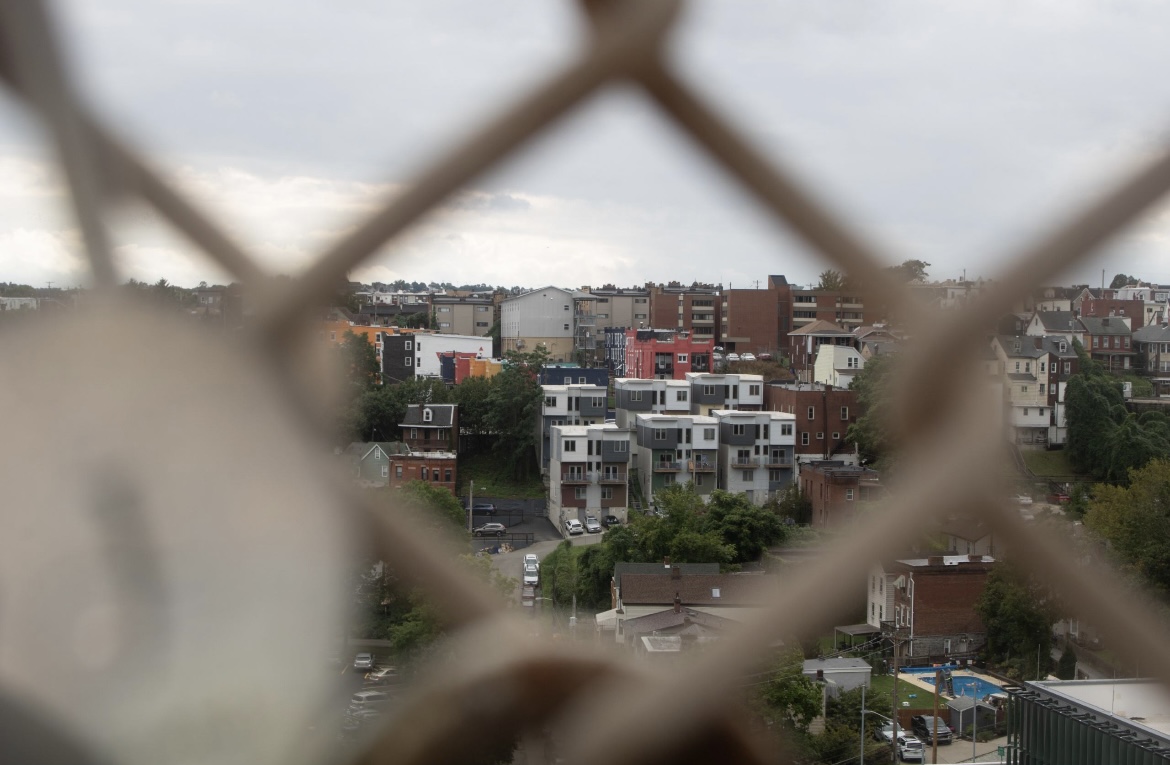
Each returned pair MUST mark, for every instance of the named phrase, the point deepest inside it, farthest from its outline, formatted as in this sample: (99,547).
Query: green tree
(690,546)
(871,430)
(793,504)
(910,271)
(1123,280)
(1135,522)
(474,396)
(359,362)
(1018,614)
(788,696)
(514,402)
(494,334)
(1066,668)
(748,528)
(831,280)
(438,508)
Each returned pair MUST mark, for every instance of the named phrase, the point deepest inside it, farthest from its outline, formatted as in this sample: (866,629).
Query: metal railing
(247,432)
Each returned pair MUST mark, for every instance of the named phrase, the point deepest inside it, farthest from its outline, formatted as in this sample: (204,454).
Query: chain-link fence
(172,549)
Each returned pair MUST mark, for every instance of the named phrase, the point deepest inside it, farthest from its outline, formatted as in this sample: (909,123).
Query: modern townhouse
(572,374)
(672,449)
(725,391)
(755,452)
(822,415)
(561,321)
(634,396)
(568,405)
(452,315)
(666,354)
(588,471)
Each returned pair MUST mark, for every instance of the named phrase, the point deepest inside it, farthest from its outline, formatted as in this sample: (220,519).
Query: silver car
(592,525)
(531,575)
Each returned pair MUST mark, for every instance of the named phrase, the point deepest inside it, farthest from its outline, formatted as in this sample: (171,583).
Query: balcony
(700,466)
(612,478)
(778,461)
(664,369)
(668,467)
(575,477)
(744,462)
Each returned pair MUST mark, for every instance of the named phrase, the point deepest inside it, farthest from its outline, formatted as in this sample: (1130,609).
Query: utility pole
(470,504)
(894,693)
(934,720)
(862,719)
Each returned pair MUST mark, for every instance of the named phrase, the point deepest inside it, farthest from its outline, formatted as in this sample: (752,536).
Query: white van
(368,700)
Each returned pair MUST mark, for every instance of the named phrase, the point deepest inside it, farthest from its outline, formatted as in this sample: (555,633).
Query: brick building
(823,416)
(434,467)
(666,354)
(805,343)
(839,493)
(757,320)
(430,427)
(932,602)
(693,309)
(1134,310)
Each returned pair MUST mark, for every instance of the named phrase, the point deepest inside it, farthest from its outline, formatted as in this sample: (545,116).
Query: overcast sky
(947,131)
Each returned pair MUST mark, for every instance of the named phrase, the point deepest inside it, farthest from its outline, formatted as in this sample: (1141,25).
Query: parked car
(610,521)
(531,558)
(733,357)
(573,527)
(592,525)
(483,508)
(491,529)
(363,700)
(363,661)
(885,733)
(748,357)
(1024,499)
(927,725)
(1058,499)
(531,575)
(911,749)
(718,349)
(383,676)
(765,356)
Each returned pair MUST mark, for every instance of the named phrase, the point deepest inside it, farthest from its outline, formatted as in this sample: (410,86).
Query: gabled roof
(1105,325)
(1152,333)
(686,569)
(821,327)
(1022,346)
(670,621)
(1058,321)
(696,590)
(361,449)
(442,415)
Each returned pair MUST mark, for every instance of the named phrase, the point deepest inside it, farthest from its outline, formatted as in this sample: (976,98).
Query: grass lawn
(492,479)
(1044,463)
(883,685)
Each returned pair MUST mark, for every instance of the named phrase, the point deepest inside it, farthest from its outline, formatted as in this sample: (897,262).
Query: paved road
(511,564)
(960,751)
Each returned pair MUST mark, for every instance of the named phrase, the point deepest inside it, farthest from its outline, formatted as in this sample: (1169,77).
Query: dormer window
(427,415)
(1015,347)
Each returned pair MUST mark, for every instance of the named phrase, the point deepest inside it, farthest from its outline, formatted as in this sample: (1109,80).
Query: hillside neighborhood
(642,466)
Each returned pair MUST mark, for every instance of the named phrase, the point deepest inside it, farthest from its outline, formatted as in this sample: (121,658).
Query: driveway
(960,751)
(511,564)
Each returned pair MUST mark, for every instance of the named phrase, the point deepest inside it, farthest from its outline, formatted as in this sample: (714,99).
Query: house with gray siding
(670,449)
(370,461)
(588,471)
(710,391)
(569,405)
(634,396)
(756,452)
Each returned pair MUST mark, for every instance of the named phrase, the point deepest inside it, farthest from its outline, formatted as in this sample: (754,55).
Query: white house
(837,365)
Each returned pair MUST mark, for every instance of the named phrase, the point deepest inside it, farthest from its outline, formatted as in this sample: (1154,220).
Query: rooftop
(696,589)
(1143,705)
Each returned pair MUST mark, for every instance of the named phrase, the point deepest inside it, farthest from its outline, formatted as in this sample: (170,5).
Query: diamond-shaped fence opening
(169,537)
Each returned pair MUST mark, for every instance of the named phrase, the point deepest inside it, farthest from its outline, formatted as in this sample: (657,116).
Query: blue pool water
(964,685)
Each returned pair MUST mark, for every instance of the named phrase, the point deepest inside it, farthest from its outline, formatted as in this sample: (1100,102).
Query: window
(682,358)
(804,438)
(1017,366)
(680,395)
(424,474)
(1125,341)
(1062,347)
(1028,367)
(1068,367)
(849,495)
(607,492)
(844,413)
(820,435)
(737,430)
(332,335)
(408,361)
(753,390)
(639,300)
(481,309)
(1023,389)
(603,315)
(413,433)
(708,390)
(550,400)
(570,446)
(1042,366)
(481,324)
(852,362)
(1052,388)
(397,471)
(660,434)
(408,345)
(598,402)
(445,309)
(1096,342)
(836,436)
(428,415)
(635,395)
(579,492)
(640,316)
(566,306)
(566,327)
(785,429)
(749,475)
(620,446)
(698,479)
(1041,412)
(385,471)
(708,434)
(1025,411)
(812,412)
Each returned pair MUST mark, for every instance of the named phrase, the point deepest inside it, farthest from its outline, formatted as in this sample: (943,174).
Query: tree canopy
(910,271)
(1018,613)
(831,280)
(1135,521)
(870,431)
(1122,280)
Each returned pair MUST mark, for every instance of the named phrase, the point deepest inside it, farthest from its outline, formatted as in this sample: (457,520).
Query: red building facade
(666,354)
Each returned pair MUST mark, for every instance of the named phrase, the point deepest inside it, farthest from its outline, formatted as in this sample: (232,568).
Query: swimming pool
(963,685)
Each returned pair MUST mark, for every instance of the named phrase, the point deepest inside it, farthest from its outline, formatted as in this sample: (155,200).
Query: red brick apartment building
(823,416)
(693,309)
(838,492)
(932,602)
(436,468)
(757,320)
(666,354)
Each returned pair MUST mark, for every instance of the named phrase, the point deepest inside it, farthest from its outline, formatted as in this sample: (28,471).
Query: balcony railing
(744,462)
(778,461)
(667,467)
(575,477)
(701,467)
(612,478)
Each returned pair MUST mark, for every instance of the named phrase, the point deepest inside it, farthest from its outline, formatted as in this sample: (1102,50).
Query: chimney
(934,560)
(675,572)
(677,604)
(1105,322)
(1039,342)
(820,675)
